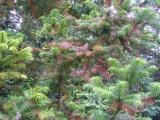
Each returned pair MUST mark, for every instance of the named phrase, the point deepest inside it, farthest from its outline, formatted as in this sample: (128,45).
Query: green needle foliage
(12,58)
(133,73)
(85,63)
(119,97)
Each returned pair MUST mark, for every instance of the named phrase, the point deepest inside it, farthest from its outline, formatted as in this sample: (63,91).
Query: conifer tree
(89,58)
(12,58)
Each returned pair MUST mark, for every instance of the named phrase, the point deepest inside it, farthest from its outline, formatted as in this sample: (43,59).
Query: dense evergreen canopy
(79,60)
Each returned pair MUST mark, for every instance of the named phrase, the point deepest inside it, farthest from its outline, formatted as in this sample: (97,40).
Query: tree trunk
(32,6)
